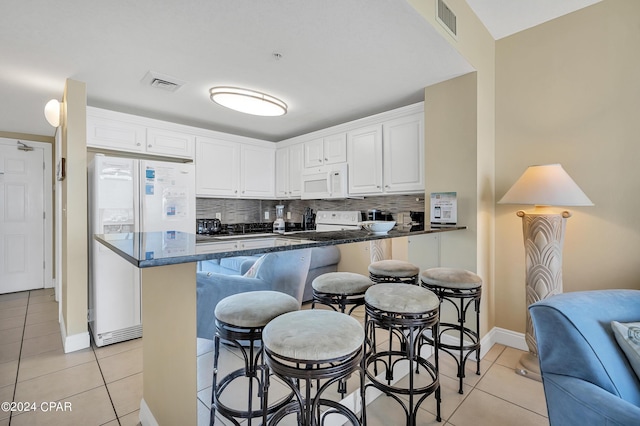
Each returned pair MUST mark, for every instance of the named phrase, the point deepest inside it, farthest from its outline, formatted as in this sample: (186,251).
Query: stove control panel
(338,217)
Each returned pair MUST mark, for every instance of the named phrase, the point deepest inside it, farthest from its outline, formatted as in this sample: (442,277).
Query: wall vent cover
(162,81)
(446,18)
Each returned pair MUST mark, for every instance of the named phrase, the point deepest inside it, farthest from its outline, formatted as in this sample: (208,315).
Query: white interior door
(22,206)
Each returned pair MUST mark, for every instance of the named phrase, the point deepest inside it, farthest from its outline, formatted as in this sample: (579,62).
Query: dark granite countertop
(148,249)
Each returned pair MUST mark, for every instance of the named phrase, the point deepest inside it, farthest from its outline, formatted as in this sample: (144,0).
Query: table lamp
(543,230)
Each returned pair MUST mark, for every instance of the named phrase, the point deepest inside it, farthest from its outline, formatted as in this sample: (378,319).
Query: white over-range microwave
(325,182)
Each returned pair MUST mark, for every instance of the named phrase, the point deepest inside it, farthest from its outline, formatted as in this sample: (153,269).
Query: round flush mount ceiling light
(248,101)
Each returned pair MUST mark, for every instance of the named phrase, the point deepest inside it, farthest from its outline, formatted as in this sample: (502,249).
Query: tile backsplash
(252,211)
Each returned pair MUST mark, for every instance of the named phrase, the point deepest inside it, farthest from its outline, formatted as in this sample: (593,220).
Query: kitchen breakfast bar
(168,263)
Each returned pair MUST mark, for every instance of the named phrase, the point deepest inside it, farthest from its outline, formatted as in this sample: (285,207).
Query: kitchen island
(167,261)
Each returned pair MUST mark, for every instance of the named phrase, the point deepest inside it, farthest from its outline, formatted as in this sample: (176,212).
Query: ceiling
(340,59)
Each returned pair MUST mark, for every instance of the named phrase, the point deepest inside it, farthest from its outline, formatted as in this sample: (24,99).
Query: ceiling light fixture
(52,112)
(248,101)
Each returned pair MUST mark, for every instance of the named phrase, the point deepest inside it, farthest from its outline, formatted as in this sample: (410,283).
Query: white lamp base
(543,232)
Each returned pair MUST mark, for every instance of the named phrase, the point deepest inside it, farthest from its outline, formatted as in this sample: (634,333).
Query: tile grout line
(474,387)
(105,384)
(24,326)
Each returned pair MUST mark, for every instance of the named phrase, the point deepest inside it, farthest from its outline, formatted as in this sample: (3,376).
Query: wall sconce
(52,112)
(543,231)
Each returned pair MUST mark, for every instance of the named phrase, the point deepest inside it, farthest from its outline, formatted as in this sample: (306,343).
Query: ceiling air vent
(162,81)
(447,18)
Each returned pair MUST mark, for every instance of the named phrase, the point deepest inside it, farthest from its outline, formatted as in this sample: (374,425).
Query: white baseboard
(74,342)
(505,337)
(146,416)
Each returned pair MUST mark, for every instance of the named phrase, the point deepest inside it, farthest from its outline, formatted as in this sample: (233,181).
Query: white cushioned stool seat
(313,335)
(240,309)
(341,283)
(393,268)
(451,278)
(305,346)
(401,298)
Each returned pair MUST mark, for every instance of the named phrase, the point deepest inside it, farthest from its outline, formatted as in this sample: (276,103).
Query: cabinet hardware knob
(319,161)
(377,186)
(138,144)
(387,186)
(149,146)
(326,159)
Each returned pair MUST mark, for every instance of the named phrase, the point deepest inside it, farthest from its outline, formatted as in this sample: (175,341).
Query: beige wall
(568,91)
(74,209)
(468,153)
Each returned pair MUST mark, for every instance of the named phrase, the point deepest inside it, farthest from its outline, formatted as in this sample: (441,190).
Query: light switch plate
(266,214)
(218,215)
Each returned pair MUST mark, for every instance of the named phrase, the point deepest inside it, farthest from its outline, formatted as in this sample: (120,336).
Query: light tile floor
(101,386)
(104,385)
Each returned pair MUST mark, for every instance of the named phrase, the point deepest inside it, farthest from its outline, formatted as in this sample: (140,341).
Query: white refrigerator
(130,195)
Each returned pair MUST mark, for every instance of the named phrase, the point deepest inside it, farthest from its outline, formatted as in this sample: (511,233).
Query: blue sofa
(586,376)
(323,260)
(284,271)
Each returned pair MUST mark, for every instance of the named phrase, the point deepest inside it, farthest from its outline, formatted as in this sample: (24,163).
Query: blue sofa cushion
(628,337)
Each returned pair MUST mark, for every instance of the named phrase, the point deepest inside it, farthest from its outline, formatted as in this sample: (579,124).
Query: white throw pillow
(628,338)
(253,271)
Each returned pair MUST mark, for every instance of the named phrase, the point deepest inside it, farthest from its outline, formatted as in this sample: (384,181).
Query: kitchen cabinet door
(167,142)
(115,135)
(403,142)
(296,153)
(327,150)
(217,168)
(282,173)
(364,150)
(289,162)
(257,166)
(313,153)
(335,148)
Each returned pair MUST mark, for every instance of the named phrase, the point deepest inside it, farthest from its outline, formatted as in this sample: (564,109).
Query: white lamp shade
(547,185)
(52,112)
(248,101)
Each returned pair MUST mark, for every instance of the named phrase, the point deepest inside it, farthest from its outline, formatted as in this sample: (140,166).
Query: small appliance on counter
(209,226)
(375,214)
(308,219)
(278,224)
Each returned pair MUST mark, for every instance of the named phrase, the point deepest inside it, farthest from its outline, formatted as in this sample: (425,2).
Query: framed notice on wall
(444,209)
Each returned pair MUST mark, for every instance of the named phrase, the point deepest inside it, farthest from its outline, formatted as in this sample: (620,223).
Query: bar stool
(313,345)
(339,290)
(240,320)
(462,289)
(411,310)
(393,271)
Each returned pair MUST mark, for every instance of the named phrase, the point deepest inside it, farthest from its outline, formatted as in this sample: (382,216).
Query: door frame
(47,203)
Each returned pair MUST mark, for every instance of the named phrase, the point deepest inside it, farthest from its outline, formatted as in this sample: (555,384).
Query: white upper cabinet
(115,135)
(170,143)
(289,162)
(217,168)
(387,158)
(327,150)
(229,169)
(257,171)
(403,142)
(115,131)
(364,147)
